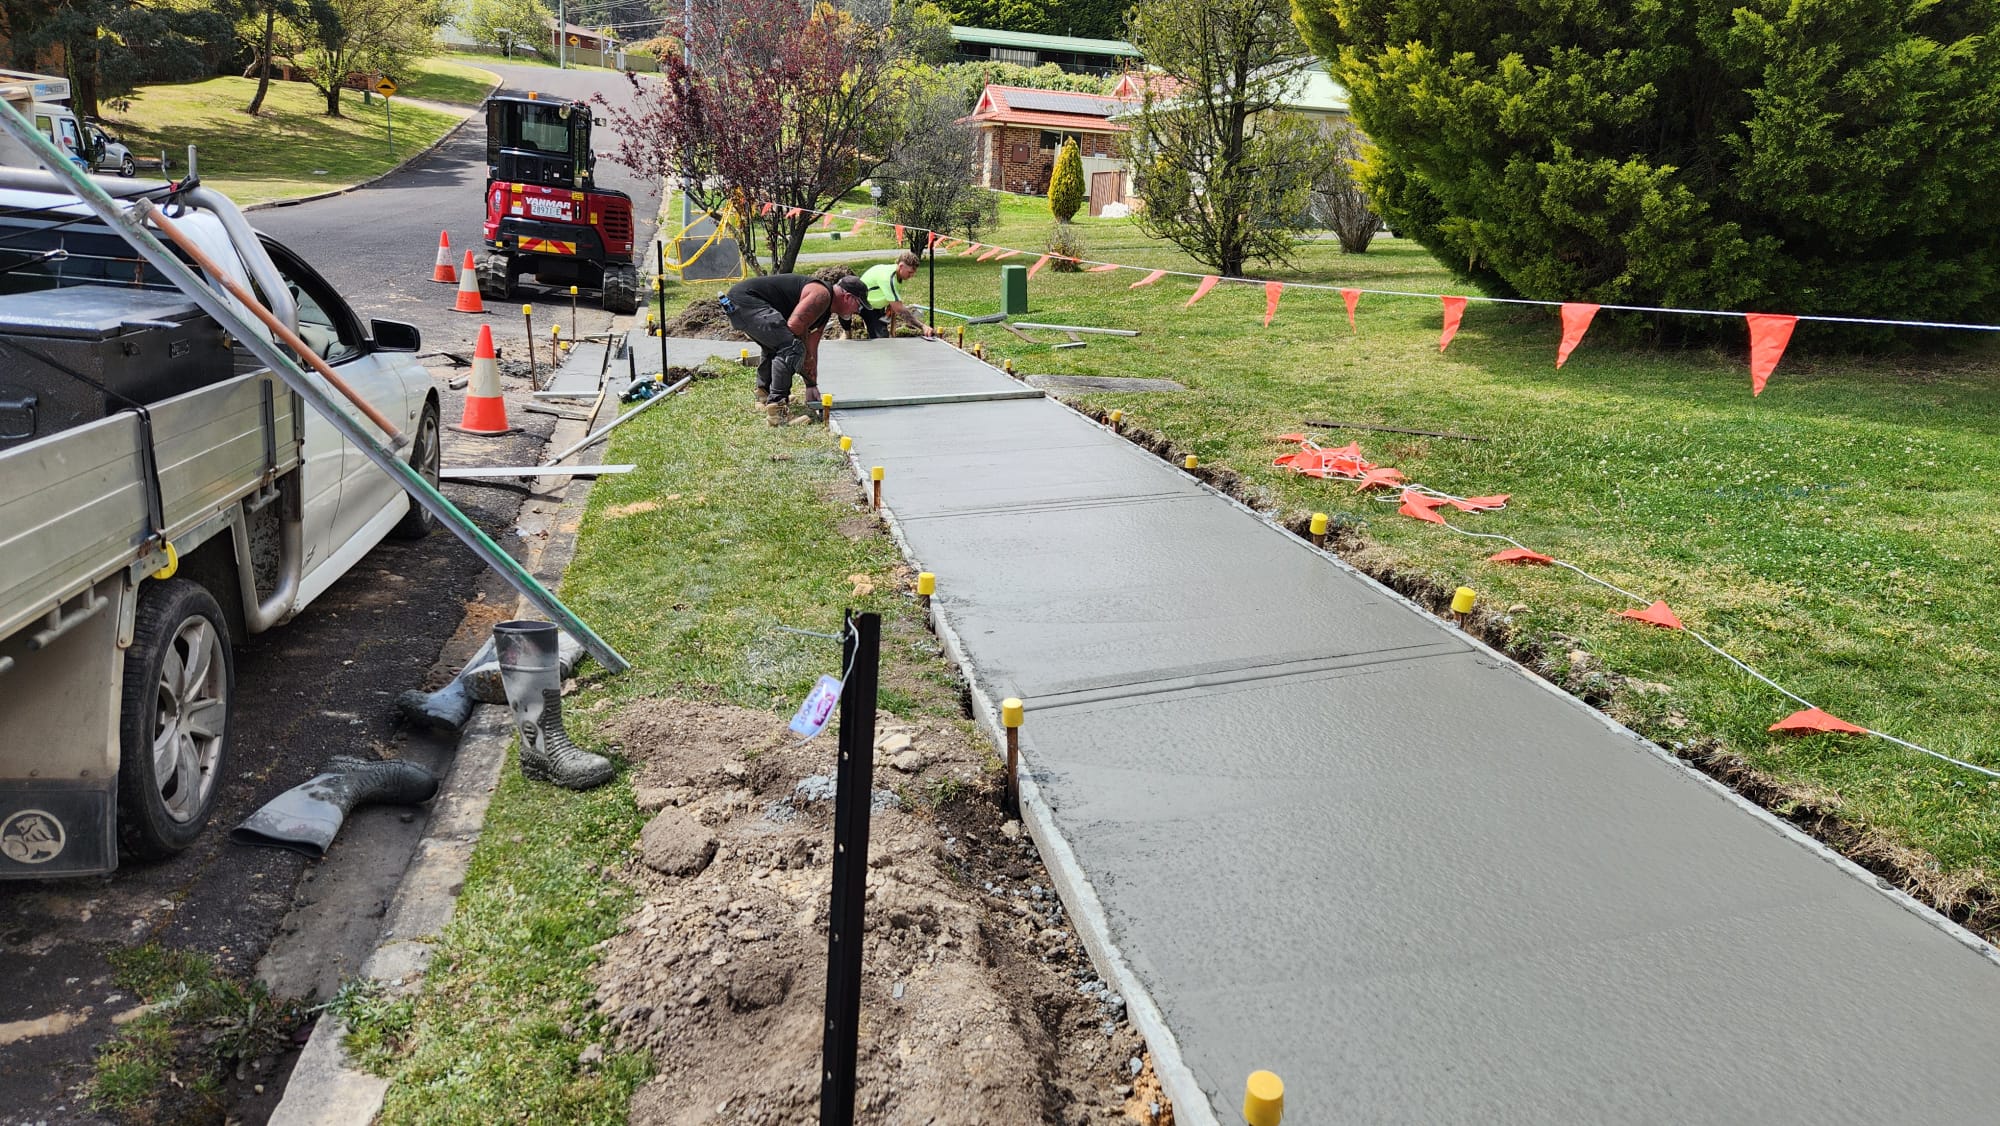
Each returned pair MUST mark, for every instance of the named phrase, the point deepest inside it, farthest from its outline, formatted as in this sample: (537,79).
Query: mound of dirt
(703,319)
(979,1005)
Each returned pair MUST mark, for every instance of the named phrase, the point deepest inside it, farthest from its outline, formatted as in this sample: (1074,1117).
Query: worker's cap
(855,287)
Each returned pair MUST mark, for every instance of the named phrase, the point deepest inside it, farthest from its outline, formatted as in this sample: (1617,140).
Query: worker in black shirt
(786,315)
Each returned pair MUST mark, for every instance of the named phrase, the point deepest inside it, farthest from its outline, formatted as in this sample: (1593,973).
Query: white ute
(162,495)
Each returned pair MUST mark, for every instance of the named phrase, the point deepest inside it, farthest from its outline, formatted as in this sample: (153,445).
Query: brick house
(1020,131)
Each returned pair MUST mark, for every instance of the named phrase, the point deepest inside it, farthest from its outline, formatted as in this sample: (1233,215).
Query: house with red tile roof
(1021,129)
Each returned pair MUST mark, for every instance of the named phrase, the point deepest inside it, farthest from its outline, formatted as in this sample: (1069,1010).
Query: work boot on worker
(533,679)
(778,412)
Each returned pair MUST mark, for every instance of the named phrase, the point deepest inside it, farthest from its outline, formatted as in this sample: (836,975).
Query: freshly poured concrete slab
(1334,838)
(1433,891)
(902,366)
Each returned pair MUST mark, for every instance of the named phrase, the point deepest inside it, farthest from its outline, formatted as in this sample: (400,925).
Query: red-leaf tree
(782,103)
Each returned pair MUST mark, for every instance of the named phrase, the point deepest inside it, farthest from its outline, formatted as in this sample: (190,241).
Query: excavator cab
(545,214)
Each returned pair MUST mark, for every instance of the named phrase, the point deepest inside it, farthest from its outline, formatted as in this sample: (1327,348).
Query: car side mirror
(395,336)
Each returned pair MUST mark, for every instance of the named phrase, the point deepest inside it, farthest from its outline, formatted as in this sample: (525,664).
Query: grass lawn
(1837,533)
(743,537)
(446,78)
(290,149)
(519,59)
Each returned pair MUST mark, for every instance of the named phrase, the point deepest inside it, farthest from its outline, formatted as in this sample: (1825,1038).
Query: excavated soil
(979,1005)
(704,320)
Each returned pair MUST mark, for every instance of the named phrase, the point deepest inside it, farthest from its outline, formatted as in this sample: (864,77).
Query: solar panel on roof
(1056,101)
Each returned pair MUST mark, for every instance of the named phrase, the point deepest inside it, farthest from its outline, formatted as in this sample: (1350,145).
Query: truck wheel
(496,277)
(128,167)
(173,721)
(425,454)
(621,290)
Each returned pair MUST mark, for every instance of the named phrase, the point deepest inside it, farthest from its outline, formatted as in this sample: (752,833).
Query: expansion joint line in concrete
(1166,682)
(1029,508)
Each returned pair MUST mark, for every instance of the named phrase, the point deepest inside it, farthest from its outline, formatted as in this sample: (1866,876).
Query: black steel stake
(854,780)
(660,284)
(933,256)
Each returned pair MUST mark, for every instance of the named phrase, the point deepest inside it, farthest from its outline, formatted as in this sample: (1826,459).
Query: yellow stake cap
(875,473)
(1263,1099)
(1191,461)
(572,291)
(926,583)
(846,443)
(555,330)
(1010,712)
(743,353)
(826,399)
(1462,599)
(1319,524)
(527,310)
(1117,416)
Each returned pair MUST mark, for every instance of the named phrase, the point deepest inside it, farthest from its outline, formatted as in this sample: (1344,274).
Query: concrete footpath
(1319,831)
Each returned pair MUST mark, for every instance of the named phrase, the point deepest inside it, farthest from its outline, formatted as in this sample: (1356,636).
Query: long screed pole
(131,225)
(660,287)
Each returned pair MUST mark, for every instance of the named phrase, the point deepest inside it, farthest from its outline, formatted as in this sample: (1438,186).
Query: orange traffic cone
(443,271)
(468,289)
(485,410)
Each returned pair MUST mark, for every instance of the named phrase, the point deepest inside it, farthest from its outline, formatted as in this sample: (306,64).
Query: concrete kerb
(325,1089)
(1190,1101)
(379,177)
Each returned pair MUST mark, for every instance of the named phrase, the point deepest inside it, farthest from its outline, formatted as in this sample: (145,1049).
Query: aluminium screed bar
(131,226)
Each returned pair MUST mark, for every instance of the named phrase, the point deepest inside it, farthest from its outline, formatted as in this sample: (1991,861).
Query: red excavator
(544,214)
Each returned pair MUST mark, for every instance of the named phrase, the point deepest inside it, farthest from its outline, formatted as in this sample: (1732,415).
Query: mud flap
(57,829)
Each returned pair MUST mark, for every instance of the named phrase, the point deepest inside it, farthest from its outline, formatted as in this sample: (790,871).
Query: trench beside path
(1334,838)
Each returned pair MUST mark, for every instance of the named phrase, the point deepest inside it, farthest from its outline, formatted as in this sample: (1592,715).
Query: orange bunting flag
(1104,268)
(1271,291)
(1812,719)
(970,250)
(932,241)
(1419,507)
(1201,291)
(1521,555)
(1576,319)
(827,221)
(1657,614)
(1769,333)
(767,209)
(1149,279)
(899,234)
(1039,263)
(1480,504)
(1382,476)
(1454,308)
(792,212)
(993,253)
(858,224)
(1353,298)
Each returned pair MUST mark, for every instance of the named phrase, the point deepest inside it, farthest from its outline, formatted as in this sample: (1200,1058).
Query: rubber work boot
(305,818)
(533,682)
(449,707)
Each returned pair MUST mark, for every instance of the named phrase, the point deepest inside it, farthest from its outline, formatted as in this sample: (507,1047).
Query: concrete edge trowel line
(131,227)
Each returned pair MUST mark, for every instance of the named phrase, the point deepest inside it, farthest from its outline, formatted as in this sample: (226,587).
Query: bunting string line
(1440,497)
(1823,318)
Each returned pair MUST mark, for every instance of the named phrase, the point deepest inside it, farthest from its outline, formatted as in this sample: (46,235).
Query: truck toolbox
(75,355)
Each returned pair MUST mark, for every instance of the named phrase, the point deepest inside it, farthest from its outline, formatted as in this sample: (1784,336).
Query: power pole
(562,35)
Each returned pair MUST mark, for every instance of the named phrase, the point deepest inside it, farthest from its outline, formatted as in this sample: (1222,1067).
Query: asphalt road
(324,684)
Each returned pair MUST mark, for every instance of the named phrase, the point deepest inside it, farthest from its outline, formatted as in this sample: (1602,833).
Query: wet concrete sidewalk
(1333,837)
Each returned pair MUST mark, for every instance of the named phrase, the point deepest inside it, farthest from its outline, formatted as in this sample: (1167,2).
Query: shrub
(1066,182)
(1066,243)
(1818,156)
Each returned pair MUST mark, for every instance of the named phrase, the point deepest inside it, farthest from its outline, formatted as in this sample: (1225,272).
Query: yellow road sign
(386,87)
